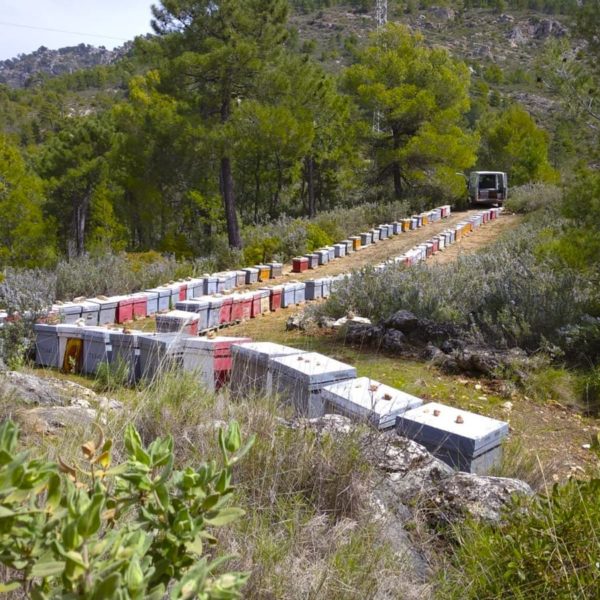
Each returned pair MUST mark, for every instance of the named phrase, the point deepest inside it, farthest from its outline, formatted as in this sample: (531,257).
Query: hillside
(20,71)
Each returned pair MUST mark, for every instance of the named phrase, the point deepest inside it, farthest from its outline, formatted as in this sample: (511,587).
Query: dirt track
(398,244)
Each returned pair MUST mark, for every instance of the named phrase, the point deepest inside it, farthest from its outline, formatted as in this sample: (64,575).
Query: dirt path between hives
(398,244)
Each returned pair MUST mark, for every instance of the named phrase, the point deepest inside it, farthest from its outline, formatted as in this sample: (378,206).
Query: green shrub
(133,530)
(316,237)
(547,548)
(532,197)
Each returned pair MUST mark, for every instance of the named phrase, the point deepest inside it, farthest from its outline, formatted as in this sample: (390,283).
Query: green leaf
(133,444)
(89,522)
(191,583)
(233,439)
(9,587)
(108,587)
(47,569)
(224,516)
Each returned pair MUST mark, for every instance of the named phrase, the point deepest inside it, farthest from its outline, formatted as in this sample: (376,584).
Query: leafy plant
(128,531)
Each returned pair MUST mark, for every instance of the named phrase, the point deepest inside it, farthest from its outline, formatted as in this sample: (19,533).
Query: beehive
(464,440)
(210,359)
(364,399)
(314,289)
(299,293)
(256,310)
(124,309)
(299,379)
(226,310)
(47,345)
(151,307)
(195,288)
(67,335)
(214,311)
(226,281)
(300,264)
(250,365)
(240,278)
(107,310)
(159,352)
(340,250)
(164,297)
(366,238)
(356,242)
(313,260)
(237,307)
(288,294)
(124,356)
(96,349)
(90,312)
(69,312)
(264,272)
(326,286)
(265,300)
(275,297)
(323,256)
(198,306)
(140,305)
(178,321)
(209,285)
(276,269)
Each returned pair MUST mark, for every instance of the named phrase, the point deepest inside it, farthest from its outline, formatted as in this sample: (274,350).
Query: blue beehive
(288,295)
(46,345)
(314,289)
(124,355)
(195,288)
(340,250)
(462,439)
(210,285)
(68,312)
(152,306)
(164,297)
(300,293)
(96,349)
(251,274)
(323,256)
(327,281)
(313,260)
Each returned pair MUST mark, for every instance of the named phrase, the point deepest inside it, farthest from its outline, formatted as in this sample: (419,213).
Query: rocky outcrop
(18,72)
(411,478)
(44,405)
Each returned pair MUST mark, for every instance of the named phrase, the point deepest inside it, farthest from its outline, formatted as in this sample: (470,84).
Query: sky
(98,22)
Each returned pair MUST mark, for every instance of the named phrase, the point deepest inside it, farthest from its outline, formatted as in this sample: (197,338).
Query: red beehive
(125,309)
(183,292)
(247,305)
(226,310)
(255,311)
(275,298)
(436,245)
(237,307)
(140,306)
(300,264)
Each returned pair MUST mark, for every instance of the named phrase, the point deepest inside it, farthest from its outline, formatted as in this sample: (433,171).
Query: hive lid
(436,424)
(312,368)
(216,343)
(263,350)
(368,398)
(104,302)
(179,314)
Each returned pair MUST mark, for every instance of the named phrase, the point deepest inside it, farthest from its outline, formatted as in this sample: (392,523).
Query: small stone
(507,406)
(481,397)
(586,446)
(477,386)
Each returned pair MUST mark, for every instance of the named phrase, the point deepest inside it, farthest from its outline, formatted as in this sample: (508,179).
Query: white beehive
(250,365)
(299,379)
(364,399)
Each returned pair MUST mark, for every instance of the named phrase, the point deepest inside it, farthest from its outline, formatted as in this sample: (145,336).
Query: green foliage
(513,143)
(26,238)
(316,237)
(545,548)
(421,95)
(533,197)
(134,530)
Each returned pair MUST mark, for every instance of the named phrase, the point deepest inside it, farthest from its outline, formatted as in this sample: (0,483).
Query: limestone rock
(402,320)
(50,419)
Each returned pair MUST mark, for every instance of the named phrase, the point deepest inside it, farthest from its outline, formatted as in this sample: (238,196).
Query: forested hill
(182,141)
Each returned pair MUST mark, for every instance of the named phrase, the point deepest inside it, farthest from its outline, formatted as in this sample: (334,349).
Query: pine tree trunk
(233,229)
(310,180)
(396,167)
(76,244)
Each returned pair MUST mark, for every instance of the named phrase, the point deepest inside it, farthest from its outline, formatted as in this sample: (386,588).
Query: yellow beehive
(405,224)
(264,272)
(424,219)
(356,244)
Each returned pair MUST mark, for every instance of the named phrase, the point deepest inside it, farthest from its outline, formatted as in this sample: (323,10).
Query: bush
(134,530)
(547,549)
(532,197)
(506,295)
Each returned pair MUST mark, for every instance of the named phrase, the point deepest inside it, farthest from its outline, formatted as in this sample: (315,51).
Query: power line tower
(381,20)
(381,13)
